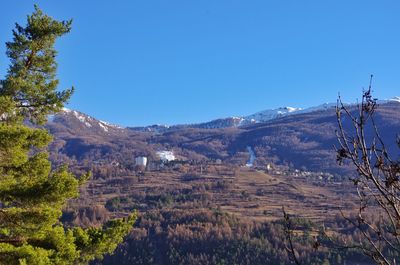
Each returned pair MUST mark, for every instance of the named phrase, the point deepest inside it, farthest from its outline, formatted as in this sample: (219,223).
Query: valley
(194,175)
(164,154)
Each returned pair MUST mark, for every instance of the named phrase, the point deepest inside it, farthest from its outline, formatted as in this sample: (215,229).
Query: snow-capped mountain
(156,128)
(221,123)
(260,117)
(271,114)
(301,136)
(78,120)
(88,122)
(393,99)
(267,115)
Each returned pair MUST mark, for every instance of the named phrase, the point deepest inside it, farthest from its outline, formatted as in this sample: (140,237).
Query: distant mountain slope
(299,138)
(259,117)
(308,139)
(82,122)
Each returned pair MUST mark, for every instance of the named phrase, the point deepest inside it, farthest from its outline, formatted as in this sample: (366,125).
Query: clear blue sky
(146,62)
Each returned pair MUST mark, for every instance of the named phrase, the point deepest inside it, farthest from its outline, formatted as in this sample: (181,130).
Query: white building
(141,161)
(166,156)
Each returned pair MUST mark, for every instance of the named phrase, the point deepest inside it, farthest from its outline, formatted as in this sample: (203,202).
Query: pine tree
(32,194)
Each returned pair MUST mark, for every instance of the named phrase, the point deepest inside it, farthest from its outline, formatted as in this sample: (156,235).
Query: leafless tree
(377,181)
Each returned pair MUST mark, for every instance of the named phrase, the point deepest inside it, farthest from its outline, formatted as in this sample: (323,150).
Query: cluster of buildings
(164,158)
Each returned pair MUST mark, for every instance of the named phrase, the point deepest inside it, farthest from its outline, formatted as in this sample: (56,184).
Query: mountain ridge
(304,140)
(232,121)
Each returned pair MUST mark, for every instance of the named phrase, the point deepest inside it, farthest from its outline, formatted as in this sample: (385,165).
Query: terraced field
(246,193)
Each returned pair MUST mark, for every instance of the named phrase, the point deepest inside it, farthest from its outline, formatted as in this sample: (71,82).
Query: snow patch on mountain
(87,120)
(83,118)
(239,121)
(325,106)
(105,128)
(66,110)
(234,121)
(252,157)
(107,124)
(267,115)
(395,99)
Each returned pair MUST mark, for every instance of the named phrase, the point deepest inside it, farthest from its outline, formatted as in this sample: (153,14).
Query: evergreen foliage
(32,194)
